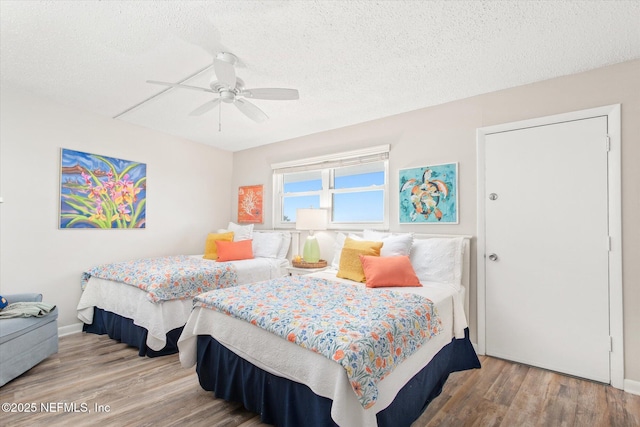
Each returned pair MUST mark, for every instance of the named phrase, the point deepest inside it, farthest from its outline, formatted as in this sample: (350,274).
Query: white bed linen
(327,378)
(160,318)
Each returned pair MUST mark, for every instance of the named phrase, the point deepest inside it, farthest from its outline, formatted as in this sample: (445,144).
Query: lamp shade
(311,219)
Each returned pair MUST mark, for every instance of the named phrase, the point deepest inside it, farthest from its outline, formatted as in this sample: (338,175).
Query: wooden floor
(105,383)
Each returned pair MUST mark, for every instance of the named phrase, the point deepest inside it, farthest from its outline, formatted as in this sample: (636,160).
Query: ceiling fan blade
(202,89)
(207,106)
(225,71)
(279,94)
(250,110)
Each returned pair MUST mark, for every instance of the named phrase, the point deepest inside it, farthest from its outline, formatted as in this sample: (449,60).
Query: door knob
(493,257)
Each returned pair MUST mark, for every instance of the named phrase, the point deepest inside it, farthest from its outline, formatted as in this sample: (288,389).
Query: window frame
(327,166)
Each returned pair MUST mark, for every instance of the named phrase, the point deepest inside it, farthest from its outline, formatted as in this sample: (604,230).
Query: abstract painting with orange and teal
(429,195)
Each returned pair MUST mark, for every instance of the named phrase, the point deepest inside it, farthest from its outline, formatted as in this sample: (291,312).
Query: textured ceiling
(352,61)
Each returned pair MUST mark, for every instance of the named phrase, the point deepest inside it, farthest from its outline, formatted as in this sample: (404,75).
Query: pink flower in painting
(110,182)
(96,192)
(124,181)
(124,212)
(87,178)
(99,215)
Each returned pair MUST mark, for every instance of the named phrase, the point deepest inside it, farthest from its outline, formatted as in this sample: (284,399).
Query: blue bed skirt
(122,329)
(285,403)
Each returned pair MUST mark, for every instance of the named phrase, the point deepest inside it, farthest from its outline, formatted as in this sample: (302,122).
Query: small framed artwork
(429,194)
(250,204)
(101,192)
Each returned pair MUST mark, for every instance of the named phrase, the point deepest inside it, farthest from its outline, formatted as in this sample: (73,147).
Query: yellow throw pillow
(210,248)
(350,264)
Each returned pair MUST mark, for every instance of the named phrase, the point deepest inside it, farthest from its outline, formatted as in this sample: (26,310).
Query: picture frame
(250,204)
(429,194)
(100,192)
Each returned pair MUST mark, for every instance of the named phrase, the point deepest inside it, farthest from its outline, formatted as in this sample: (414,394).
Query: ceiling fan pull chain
(220,118)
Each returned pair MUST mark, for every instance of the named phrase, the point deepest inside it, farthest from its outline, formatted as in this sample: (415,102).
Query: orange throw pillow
(234,251)
(392,271)
(210,248)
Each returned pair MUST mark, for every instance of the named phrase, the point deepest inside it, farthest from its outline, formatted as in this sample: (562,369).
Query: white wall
(447,133)
(188,195)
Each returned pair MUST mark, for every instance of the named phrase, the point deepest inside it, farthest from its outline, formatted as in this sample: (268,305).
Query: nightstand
(296,271)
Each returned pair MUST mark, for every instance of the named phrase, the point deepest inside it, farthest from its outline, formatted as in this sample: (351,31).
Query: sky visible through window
(357,206)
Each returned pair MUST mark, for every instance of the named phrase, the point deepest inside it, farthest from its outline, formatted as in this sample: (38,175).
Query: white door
(547,286)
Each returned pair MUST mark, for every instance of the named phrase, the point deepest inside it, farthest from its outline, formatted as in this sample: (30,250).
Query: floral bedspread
(367,331)
(168,278)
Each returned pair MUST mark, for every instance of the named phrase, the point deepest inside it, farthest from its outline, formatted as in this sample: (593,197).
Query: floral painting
(250,204)
(101,192)
(429,195)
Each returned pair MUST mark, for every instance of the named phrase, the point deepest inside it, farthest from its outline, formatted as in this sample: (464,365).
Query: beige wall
(186,182)
(447,133)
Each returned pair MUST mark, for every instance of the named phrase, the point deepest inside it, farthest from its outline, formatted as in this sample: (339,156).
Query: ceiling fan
(230,89)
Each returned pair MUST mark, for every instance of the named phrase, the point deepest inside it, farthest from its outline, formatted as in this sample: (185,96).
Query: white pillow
(337,248)
(438,260)
(393,244)
(266,245)
(284,245)
(399,244)
(240,232)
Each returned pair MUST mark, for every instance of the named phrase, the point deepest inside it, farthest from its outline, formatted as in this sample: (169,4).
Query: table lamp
(312,220)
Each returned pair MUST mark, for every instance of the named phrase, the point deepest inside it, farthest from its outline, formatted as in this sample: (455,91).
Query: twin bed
(331,351)
(289,385)
(152,319)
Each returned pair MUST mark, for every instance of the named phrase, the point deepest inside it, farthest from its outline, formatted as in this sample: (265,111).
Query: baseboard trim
(70,330)
(631,386)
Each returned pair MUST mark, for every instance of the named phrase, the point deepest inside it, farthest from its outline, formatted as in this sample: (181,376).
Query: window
(358,193)
(301,190)
(353,187)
